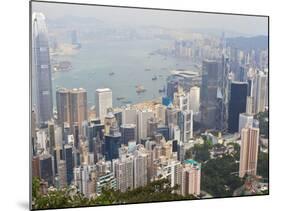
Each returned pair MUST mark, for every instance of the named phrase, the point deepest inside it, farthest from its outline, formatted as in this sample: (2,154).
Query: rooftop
(103,90)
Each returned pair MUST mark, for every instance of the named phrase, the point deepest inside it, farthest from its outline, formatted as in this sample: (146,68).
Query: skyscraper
(62,173)
(63,105)
(181,100)
(195,99)
(69,163)
(140,169)
(46,168)
(78,106)
(172,87)
(160,113)
(209,92)
(51,135)
(112,143)
(103,102)
(214,94)
(128,133)
(152,125)
(129,116)
(245,120)
(185,123)
(124,173)
(249,151)
(143,117)
(72,106)
(41,69)
(260,92)
(237,104)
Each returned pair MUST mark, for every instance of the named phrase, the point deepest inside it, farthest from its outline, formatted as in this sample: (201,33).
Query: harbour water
(121,66)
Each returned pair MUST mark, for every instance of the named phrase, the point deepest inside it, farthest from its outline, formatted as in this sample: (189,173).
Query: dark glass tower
(112,143)
(69,163)
(41,69)
(128,133)
(209,92)
(46,168)
(214,94)
(237,104)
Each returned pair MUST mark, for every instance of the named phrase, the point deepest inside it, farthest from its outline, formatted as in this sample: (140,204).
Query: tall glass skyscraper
(41,69)
(237,104)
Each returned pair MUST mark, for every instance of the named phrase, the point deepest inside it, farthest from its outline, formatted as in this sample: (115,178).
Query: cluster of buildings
(128,147)
(202,47)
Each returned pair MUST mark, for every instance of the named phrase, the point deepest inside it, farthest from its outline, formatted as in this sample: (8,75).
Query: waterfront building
(103,101)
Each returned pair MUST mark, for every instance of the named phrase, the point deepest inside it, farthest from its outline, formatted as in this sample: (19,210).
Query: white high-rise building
(245,120)
(124,173)
(143,117)
(103,102)
(260,92)
(140,169)
(176,133)
(185,122)
(249,105)
(129,116)
(181,100)
(176,174)
(194,99)
(160,113)
(62,173)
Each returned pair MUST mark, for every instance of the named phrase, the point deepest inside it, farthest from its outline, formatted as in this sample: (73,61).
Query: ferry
(127,102)
(154,78)
(140,89)
(112,73)
(120,98)
(62,66)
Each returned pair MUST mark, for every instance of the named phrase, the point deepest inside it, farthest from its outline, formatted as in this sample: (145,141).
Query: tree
(263,123)
(218,176)
(160,190)
(202,151)
(262,166)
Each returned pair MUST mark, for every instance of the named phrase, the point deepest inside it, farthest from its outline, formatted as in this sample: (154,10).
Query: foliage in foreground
(263,123)
(154,191)
(219,176)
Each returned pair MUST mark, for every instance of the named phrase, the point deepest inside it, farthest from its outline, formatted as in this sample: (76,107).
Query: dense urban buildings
(194,116)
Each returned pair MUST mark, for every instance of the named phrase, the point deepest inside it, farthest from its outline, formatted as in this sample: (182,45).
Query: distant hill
(247,43)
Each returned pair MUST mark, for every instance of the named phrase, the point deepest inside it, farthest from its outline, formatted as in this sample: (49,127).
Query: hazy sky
(249,25)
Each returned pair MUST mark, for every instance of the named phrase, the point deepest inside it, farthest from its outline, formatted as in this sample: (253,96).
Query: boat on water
(62,66)
(127,102)
(154,78)
(112,73)
(140,89)
(120,98)
(147,69)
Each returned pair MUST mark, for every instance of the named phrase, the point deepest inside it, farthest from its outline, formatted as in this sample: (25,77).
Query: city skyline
(119,118)
(156,17)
